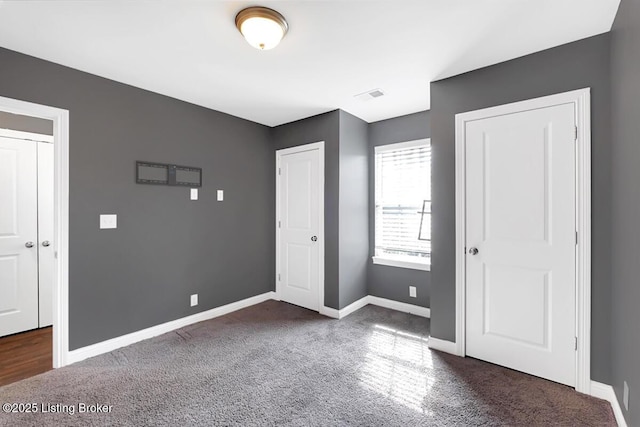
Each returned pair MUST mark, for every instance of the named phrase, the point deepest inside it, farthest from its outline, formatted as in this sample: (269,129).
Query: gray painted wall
(354,208)
(166,247)
(392,282)
(324,127)
(349,191)
(25,123)
(625,91)
(572,66)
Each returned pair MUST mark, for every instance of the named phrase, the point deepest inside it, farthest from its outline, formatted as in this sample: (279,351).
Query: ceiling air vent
(370,94)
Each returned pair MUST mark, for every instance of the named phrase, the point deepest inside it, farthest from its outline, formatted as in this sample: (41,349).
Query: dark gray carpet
(277,364)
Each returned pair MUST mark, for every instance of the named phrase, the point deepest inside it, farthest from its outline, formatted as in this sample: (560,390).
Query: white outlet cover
(194,194)
(194,300)
(220,195)
(412,292)
(625,396)
(108,221)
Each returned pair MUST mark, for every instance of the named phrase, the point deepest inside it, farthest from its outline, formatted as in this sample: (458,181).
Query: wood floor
(25,355)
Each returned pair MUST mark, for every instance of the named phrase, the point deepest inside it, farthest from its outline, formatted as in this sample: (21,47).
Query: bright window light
(403,202)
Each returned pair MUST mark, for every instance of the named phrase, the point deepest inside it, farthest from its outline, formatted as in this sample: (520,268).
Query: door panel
(9,298)
(521,218)
(299,266)
(516,303)
(18,225)
(299,223)
(298,194)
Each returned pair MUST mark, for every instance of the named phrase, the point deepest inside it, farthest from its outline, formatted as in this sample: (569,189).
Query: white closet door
(521,231)
(18,236)
(299,210)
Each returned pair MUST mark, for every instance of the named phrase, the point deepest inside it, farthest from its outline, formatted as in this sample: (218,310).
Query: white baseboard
(329,312)
(354,306)
(134,337)
(381,302)
(605,392)
(442,345)
(399,306)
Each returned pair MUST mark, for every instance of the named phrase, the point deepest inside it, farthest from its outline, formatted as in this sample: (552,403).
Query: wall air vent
(370,94)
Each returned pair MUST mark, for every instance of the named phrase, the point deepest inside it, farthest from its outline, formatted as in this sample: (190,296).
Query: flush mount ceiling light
(263,28)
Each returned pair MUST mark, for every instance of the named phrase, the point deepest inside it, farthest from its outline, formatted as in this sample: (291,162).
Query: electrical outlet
(625,396)
(194,300)
(194,194)
(220,194)
(108,221)
(412,291)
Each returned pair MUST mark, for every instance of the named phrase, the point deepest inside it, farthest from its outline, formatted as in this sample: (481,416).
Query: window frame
(391,260)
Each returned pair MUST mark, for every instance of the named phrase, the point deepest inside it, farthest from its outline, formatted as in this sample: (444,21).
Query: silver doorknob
(473,251)
(46,243)
(29,244)
(314,238)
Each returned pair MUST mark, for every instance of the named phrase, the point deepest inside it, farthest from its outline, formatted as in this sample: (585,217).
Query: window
(403,204)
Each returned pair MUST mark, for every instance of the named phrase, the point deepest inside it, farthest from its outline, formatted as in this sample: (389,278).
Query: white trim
(391,262)
(581,100)
(605,392)
(60,119)
(329,312)
(460,194)
(30,136)
(353,307)
(401,145)
(134,337)
(400,306)
(380,302)
(299,149)
(442,345)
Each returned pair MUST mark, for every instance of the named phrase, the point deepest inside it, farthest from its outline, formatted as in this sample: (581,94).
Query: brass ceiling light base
(262,27)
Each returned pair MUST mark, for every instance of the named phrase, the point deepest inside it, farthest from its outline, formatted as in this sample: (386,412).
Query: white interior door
(520,217)
(299,200)
(45,233)
(18,236)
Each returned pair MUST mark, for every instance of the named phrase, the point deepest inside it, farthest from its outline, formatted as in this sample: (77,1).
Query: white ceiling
(191,50)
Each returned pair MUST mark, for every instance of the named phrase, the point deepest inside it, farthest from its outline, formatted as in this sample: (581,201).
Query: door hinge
(576,133)
(279,277)
(279,171)
(576,343)
(279,224)
(576,238)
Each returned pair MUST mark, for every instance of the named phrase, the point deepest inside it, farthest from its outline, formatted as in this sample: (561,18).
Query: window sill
(392,262)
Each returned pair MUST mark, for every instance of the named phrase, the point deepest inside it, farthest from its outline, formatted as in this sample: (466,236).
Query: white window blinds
(403,201)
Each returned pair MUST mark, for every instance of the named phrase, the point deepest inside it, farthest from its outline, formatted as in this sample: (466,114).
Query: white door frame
(299,149)
(581,100)
(60,120)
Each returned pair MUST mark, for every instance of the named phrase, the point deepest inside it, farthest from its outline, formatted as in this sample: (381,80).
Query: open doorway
(26,251)
(36,184)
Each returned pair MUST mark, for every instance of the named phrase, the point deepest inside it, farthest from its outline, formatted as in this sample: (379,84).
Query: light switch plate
(194,300)
(194,194)
(108,221)
(412,292)
(220,195)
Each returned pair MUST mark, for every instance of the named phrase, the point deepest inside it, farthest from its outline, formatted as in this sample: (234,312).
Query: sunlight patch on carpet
(398,366)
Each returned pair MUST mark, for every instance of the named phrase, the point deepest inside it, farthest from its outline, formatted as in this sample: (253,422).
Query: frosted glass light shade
(263,28)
